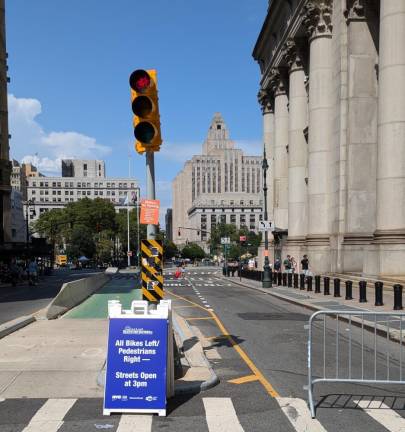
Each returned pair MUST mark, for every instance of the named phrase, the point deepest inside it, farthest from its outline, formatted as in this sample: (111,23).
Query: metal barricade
(350,354)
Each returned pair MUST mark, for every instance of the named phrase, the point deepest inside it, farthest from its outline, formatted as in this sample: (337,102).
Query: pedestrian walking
(293,265)
(305,265)
(287,264)
(32,272)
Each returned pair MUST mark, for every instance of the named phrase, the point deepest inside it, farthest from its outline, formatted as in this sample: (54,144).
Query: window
(53,184)
(79,184)
(71,192)
(59,192)
(218,127)
(233,218)
(53,192)
(34,184)
(66,192)
(59,184)
(88,192)
(96,193)
(223,218)
(34,192)
(85,167)
(41,184)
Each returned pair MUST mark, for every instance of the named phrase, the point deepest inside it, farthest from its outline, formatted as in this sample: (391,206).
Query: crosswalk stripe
(49,418)
(383,414)
(138,423)
(221,415)
(299,416)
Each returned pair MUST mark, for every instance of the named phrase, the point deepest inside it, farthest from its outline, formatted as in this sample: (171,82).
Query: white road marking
(221,415)
(383,414)
(299,416)
(139,423)
(49,418)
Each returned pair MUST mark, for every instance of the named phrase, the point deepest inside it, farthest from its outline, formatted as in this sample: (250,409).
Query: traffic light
(145,107)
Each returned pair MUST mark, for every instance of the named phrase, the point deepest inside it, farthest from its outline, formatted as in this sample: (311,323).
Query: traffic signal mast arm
(193,229)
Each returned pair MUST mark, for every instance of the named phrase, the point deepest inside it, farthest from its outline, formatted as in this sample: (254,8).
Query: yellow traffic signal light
(145,107)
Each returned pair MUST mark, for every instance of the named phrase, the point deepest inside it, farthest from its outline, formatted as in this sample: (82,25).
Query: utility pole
(266,283)
(128,240)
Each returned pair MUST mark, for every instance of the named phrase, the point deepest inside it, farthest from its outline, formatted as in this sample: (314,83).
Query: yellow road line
(198,318)
(269,388)
(244,379)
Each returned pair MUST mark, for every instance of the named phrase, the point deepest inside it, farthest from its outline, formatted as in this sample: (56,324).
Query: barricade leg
(302,281)
(295,280)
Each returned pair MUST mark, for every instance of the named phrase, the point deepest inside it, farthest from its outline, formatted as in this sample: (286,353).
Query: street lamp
(28,204)
(266,282)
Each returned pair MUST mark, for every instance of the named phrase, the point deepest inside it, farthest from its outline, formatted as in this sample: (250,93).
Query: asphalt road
(257,345)
(24,299)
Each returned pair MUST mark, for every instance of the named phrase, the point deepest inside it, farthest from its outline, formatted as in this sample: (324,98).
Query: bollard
(279,275)
(363,291)
(336,287)
(379,294)
(309,283)
(295,280)
(284,279)
(317,284)
(302,281)
(289,279)
(349,290)
(398,297)
(326,285)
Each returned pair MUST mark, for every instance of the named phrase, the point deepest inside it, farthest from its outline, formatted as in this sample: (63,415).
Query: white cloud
(31,143)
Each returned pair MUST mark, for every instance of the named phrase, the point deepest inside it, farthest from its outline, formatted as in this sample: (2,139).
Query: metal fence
(355,347)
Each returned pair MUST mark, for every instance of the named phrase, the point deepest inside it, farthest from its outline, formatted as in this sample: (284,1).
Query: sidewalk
(320,301)
(64,358)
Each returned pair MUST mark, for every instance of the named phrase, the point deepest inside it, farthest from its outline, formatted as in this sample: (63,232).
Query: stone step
(356,277)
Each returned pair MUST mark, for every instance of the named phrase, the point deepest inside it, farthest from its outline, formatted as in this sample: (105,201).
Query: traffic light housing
(145,107)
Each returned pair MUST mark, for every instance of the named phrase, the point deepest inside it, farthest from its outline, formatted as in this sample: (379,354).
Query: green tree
(192,251)
(170,250)
(81,243)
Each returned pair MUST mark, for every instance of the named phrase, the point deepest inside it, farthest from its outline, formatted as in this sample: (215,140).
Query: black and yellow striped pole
(152,270)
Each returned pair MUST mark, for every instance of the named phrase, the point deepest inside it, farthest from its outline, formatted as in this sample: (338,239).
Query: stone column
(318,22)
(390,232)
(361,134)
(297,151)
(266,101)
(280,150)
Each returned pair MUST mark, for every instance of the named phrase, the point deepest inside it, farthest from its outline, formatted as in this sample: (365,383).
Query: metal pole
(138,225)
(150,190)
(128,245)
(26,225)
(266,283)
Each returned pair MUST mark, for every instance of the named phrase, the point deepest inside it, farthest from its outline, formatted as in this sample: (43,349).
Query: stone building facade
(46,193)
(5,164)
(332,96)
(222,185)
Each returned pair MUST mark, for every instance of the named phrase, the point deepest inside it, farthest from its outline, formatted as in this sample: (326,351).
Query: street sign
(150,212)
(266,226)
(225,240)
(152,270)
(136,366)
(242,238)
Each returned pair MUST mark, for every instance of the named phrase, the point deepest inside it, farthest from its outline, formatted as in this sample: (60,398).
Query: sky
(69,63)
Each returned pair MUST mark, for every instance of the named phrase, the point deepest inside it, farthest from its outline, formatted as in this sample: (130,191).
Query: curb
(14,325)
(183,330)
(368,325)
